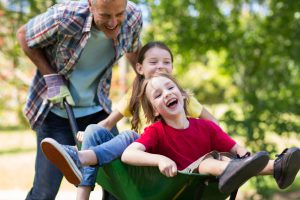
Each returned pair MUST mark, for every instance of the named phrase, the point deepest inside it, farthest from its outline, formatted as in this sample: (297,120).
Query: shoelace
(280,155)
(244,156)
(73,151)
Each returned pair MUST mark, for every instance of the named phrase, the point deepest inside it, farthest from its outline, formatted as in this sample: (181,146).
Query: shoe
(286,167)
(64,157)
(239,170)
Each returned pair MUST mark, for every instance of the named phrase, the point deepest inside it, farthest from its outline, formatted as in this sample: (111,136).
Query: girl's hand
(79,136)
(167,167)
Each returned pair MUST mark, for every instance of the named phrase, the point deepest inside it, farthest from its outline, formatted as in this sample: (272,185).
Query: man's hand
(167,167)
(57,90)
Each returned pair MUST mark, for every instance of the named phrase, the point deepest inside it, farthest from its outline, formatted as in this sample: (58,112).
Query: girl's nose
(167,93)
(159,66)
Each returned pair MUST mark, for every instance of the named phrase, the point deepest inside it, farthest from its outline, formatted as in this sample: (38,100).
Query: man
(74,46)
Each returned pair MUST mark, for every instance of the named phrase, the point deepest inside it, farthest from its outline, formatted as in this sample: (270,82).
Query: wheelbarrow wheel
(107,196)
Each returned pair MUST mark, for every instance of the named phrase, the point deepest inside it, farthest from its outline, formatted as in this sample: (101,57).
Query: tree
(15,73)
(260,57)
(257,50)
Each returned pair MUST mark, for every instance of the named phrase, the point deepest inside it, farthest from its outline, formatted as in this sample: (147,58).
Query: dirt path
(17,169)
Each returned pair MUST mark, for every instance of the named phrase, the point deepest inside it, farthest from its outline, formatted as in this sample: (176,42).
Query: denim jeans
(47,177)
(106,147)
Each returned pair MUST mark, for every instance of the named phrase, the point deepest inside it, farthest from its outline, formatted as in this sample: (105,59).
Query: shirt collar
(88,25)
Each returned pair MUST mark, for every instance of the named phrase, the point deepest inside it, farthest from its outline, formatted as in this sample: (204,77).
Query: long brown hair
(134,104)
(146,104)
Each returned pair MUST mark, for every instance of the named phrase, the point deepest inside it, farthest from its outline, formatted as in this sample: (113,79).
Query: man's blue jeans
(106,146)
(47,177)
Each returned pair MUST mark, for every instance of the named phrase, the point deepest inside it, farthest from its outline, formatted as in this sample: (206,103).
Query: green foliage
(13,14)
(259,39)
(257,69)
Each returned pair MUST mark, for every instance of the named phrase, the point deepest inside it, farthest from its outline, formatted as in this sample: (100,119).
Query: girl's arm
(135,155)
(197,110)
(206,115)
(107,123)
(111,120)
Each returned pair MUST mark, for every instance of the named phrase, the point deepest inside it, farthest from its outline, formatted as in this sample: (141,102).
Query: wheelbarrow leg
(233,194)
(107,196)
(74,127)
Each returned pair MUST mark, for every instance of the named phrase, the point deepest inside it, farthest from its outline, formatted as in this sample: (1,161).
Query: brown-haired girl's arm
(107,123)
(111,120)
(196,110)
(205,114)
(135,154)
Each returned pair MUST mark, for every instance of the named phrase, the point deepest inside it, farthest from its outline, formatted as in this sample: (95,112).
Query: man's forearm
(37,56)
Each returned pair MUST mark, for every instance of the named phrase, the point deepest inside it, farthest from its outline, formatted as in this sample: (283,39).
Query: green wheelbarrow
(127,182)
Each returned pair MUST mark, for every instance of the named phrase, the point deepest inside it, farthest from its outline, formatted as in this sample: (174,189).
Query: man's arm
(37,56)
(56,88)
(132,58)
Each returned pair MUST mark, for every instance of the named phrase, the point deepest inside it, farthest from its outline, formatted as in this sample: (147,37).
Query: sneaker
(286,167)
(64,157)
(239,170)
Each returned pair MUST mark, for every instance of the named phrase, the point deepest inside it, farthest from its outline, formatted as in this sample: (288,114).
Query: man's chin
(112,34)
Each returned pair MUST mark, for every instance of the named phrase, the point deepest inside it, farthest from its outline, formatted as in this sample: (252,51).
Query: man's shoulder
(71,9)
(134,14)
(132,7)
(72,16)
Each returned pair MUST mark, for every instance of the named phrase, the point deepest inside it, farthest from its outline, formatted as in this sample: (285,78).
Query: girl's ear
(156,114)
(139,68)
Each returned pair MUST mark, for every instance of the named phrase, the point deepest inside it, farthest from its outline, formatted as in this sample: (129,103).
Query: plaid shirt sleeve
(136,23)
(41,30)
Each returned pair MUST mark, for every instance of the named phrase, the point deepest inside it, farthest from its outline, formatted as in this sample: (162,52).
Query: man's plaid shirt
(62,32)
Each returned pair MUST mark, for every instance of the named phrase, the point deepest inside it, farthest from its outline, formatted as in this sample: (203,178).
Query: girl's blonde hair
(146,104)
(134,104)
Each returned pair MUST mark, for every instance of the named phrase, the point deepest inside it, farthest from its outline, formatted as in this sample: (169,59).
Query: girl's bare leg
(87,157)
(268,170)
(212,166)
(83,192)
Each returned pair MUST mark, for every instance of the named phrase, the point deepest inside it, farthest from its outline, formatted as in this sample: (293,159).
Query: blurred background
(239,58)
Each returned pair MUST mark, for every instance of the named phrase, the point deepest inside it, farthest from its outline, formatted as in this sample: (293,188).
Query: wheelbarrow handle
(72,120)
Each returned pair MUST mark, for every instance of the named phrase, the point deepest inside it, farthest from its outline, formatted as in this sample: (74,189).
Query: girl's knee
(132,135)
(93,128)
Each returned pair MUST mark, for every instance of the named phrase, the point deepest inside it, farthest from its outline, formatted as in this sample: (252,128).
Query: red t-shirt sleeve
(149,138)
(221,141)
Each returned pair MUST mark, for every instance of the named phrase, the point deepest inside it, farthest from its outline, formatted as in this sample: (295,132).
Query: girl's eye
(167,63)
(171,87)
(157,96)
(153,62)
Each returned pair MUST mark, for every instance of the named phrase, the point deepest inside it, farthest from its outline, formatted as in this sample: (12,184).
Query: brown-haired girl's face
(165,97)
(155,60)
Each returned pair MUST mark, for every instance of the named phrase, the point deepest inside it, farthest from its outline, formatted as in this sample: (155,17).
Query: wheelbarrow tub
(128,182)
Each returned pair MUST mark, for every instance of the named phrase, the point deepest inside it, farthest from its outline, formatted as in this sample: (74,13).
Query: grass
(17,153)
